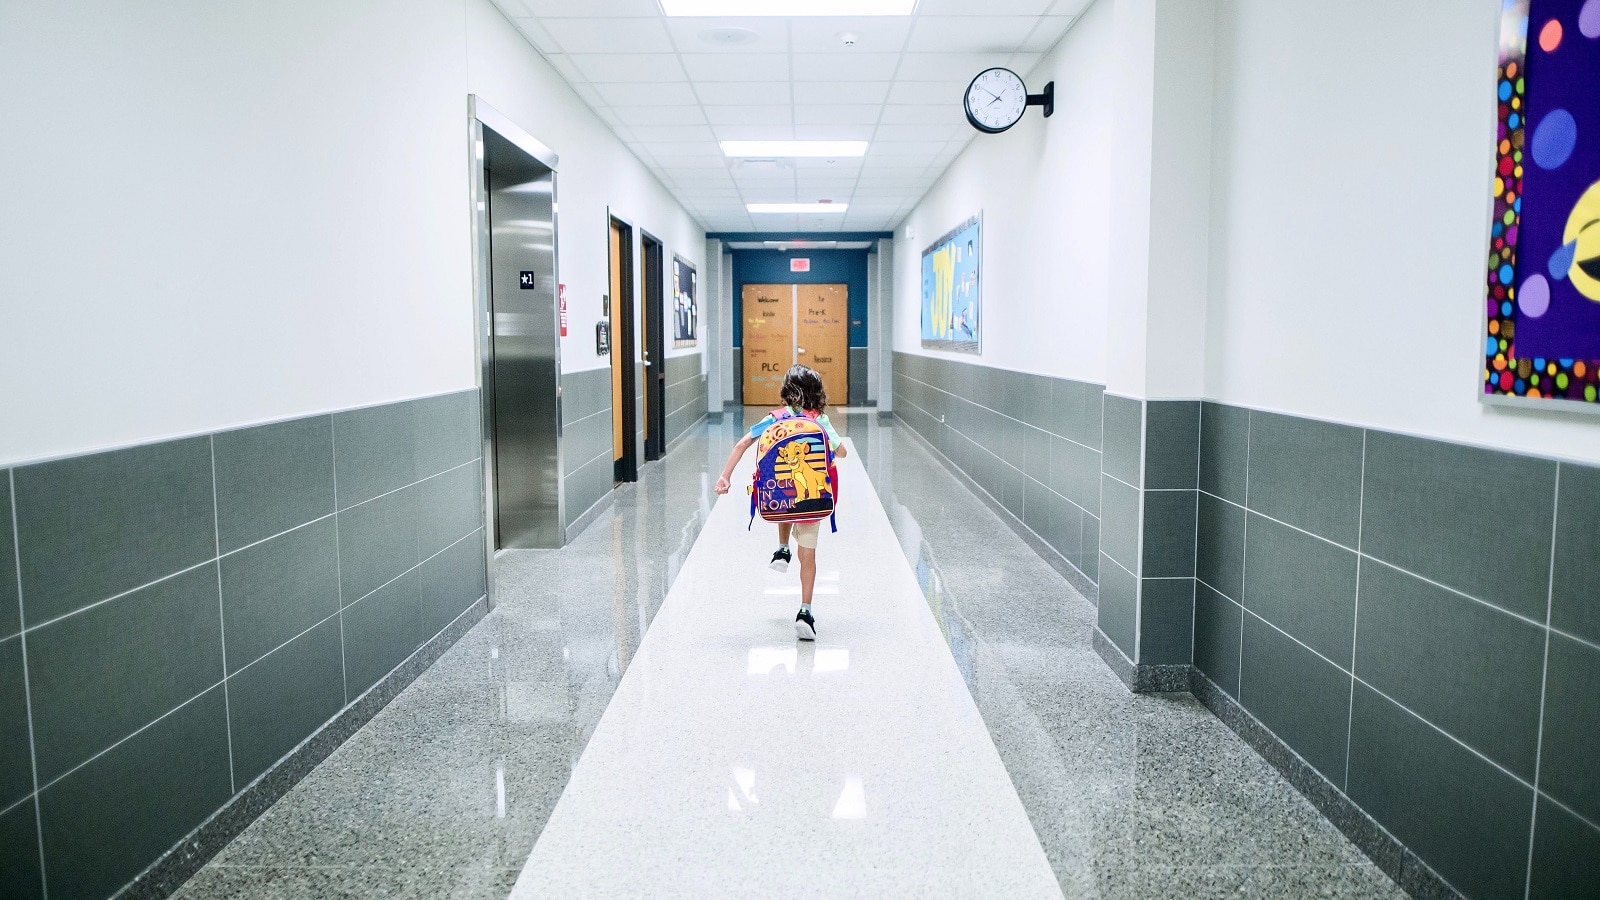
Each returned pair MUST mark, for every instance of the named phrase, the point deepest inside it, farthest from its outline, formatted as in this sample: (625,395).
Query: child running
(803,393)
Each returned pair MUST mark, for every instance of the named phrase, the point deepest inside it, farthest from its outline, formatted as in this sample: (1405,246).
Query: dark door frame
(652,256)
(622,350)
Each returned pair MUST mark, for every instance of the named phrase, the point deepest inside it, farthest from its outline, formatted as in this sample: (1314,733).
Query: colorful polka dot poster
(1543,313)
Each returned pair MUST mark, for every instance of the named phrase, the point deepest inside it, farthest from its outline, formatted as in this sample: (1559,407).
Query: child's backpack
(795,479)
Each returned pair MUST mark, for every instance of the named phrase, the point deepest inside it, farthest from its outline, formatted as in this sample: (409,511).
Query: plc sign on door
(786,324)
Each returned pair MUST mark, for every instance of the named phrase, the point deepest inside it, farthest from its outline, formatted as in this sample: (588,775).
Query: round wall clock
(997,98)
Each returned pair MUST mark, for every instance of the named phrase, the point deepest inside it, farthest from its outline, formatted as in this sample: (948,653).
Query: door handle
(799,349)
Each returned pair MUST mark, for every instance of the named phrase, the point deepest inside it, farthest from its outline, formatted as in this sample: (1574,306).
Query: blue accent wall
(827,267)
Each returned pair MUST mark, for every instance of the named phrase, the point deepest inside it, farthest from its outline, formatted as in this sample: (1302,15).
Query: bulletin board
(952,295)
(685,314)
(1542,335)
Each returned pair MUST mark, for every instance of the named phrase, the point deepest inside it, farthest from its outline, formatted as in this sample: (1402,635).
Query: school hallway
(1221,377)
(732,760)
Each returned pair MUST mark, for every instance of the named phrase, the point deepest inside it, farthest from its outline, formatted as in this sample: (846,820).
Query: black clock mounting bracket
(1045,98)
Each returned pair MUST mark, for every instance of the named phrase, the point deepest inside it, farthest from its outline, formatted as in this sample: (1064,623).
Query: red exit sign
(800,264)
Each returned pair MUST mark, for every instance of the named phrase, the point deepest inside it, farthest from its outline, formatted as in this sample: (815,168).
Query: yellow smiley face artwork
(1583,236)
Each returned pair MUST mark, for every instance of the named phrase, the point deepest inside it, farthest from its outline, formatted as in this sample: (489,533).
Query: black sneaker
(780,560)
(805,627)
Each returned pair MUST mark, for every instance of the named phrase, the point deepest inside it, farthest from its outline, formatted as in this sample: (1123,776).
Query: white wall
(1044,190)
(214,215)
(596,171)
(1352,169)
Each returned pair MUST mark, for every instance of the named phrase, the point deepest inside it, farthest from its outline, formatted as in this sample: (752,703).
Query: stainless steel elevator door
(526,363)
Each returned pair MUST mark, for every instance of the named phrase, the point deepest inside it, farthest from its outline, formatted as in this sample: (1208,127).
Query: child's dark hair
(802,389)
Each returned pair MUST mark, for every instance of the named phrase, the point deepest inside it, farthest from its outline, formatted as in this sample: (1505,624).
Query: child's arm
(733,460)
(839,448)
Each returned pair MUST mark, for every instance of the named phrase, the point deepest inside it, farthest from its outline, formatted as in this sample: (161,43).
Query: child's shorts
(805,534)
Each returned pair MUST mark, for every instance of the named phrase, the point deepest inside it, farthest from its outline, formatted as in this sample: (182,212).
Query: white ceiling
(671,92)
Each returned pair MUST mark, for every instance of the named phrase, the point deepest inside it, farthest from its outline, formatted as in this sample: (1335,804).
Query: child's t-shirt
(833,436)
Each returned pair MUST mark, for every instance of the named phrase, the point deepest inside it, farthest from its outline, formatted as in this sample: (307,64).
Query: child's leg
(805,625)
(808,573)
(783,533)
(806,537)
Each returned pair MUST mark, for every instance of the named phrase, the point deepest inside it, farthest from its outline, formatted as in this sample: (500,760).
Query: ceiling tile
(894,149)
(746,174)
(1025,63)
(538,35)
(987,8)
(827,179)
(946,34)
(949,91)
(659,115)
(939,133)
(947,66)
(739,93)
(884,198)
(653,67)
(892,164)
(845,66)
(885,179)
(841,92)
(838,115)
(650,134)
(754,132)
(737,66)
(703,192)
(697,35)
(874,34)
(750,115)
(833,132)
(563,64)
(671,93)
(1050,30)
(513,9)
(610,35)
(589,94)
(693,167)
(925,114)
(566,9)
(843,166)
(1073,8)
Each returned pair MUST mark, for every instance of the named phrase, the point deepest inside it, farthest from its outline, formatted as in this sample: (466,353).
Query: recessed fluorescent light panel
(788,7)
(810,149)
(797,207)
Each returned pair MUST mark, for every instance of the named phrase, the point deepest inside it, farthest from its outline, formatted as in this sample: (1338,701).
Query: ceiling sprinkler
(849,38)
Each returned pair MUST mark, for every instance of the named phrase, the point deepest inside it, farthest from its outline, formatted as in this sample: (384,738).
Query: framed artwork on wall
(685,315)
(1542,335)
(952,308)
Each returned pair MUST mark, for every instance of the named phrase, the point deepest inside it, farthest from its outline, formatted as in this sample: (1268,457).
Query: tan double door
(786,324)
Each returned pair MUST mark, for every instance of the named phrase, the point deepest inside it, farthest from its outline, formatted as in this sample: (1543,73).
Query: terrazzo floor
(446,791)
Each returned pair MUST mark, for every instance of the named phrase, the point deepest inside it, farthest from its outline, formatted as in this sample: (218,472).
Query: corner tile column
(1155,339)
(1149,494)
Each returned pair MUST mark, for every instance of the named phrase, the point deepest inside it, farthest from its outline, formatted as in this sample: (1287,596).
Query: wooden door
(822,336)
(768,341)
(624,396)
(618,289)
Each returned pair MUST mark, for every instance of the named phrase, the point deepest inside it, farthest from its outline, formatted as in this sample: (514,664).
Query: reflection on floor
(735,761)
(1133,796)
(445,793)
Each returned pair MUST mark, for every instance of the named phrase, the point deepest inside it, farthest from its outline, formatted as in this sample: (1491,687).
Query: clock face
(996,100)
